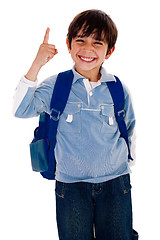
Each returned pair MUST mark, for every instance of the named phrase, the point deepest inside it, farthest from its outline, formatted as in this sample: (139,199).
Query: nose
(88,47)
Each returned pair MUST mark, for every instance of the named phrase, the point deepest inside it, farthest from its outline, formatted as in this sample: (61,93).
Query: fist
(46,51)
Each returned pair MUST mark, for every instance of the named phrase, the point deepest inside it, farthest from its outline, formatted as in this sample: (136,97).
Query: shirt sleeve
(21,91)
(30,100)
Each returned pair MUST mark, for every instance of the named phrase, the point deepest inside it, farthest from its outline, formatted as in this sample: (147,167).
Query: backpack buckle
(55,115)
(121,114)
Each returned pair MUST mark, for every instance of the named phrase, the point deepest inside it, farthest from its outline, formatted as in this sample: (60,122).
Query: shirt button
(102,107)
(90,93)
(79,105)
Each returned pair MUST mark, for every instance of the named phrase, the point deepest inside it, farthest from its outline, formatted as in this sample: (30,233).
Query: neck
(92,76)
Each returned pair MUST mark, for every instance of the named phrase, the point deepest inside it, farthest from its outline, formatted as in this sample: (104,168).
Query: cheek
(105,52)
(75,51)
(102,54)
(74,54)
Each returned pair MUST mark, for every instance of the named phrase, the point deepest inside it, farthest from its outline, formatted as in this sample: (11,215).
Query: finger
(46,37)
(53,51)
(50,46)
(51,55)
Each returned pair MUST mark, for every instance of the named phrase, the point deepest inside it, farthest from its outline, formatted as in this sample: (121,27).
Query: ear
(110,52)
(67,42)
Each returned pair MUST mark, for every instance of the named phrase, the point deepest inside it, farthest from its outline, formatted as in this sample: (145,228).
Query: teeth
(87,59)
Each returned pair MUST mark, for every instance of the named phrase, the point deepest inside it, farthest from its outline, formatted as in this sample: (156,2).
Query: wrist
(36,66)
(33,72)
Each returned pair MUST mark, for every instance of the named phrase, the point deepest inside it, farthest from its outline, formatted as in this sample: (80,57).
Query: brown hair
(94,22)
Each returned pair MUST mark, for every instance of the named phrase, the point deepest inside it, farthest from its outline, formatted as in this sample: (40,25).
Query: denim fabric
(135,235)
(101,211)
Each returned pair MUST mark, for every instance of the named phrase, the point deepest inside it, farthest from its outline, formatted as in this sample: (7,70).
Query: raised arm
(30,100)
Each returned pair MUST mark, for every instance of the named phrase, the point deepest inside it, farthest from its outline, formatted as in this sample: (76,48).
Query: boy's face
(88,53)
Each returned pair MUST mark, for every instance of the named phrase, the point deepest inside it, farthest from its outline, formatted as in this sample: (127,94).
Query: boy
(93,191)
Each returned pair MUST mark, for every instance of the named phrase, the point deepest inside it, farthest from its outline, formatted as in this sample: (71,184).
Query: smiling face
(88,53)
(91,39)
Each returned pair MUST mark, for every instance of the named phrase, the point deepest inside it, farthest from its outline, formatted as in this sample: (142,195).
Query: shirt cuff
(29,83)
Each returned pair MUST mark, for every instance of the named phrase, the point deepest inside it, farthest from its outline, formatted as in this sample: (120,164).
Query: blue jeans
(101,211)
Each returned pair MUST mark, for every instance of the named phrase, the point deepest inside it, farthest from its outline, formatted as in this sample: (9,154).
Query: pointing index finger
(46,37)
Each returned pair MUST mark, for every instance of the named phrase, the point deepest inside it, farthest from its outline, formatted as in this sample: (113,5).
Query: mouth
(87,59)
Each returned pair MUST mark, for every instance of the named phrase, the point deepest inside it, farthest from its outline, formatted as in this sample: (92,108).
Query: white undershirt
(89,86)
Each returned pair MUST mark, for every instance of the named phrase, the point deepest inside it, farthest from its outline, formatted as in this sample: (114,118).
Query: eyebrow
(79,36)
(96,39)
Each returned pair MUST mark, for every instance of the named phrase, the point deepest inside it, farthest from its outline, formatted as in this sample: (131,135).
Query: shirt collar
(105,77)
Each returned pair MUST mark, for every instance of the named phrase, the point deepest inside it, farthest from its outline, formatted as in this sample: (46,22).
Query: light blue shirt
(89,147)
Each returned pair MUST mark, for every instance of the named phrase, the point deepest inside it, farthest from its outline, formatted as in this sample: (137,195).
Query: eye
(98,43)
(79,40)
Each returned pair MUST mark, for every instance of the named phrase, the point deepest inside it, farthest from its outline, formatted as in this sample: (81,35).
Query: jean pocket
(109,125)
(70,120)
(60,189)
(125,183)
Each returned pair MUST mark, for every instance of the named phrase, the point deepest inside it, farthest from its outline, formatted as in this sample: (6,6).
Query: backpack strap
(117,93)
(58,102)
(60,94)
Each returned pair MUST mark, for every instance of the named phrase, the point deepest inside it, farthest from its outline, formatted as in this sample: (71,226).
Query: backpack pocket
(38,152)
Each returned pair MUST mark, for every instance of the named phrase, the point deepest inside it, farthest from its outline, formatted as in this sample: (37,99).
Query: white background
(27,200)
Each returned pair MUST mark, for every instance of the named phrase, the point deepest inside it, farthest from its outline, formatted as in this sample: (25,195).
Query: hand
(46,51)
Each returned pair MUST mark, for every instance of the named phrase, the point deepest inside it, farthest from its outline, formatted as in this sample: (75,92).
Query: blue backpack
(44,141)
